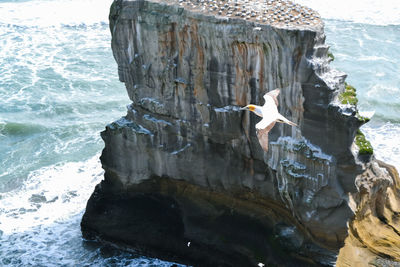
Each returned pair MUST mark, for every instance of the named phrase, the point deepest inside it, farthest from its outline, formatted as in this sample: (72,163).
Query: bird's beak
(243,108)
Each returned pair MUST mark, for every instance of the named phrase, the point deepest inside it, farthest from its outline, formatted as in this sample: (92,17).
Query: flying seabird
(269,114)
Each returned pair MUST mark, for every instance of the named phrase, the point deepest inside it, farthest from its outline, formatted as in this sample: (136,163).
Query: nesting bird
(269,114)
(276,12)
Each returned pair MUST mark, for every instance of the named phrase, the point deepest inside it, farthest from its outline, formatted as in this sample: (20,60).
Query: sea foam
(386,12)
(40,222)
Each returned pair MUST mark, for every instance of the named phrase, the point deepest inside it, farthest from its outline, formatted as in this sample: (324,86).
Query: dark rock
(184,165)
(175,220)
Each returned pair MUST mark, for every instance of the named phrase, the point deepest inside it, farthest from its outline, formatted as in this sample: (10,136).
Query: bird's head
(249,107)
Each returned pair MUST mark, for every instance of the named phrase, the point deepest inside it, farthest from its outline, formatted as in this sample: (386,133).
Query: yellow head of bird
(249,107)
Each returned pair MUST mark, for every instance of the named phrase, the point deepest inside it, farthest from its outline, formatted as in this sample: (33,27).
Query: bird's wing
(272,94)
(266,121)
(262,135)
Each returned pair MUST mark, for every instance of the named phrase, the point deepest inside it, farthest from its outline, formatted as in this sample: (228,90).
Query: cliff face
(185,176)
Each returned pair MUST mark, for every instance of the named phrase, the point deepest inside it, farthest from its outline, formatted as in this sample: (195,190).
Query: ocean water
(59,88)
(364,36)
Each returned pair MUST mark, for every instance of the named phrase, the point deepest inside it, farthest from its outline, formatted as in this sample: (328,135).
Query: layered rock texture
(185,177)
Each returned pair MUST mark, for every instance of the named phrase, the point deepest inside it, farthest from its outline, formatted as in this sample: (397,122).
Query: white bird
(269,114)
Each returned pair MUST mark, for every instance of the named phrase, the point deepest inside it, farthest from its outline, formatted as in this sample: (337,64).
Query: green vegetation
(349,96)
(363,144)
(331,56)
(362,118)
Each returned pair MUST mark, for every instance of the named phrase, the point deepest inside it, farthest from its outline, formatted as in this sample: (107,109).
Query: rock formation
(185,177)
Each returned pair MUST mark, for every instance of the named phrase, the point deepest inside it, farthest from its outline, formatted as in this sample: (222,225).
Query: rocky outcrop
(185,177)
(374,233)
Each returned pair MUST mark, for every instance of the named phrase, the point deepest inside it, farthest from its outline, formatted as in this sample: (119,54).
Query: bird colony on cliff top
(275,12)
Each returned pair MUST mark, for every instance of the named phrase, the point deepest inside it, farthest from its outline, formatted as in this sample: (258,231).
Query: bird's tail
(284,120)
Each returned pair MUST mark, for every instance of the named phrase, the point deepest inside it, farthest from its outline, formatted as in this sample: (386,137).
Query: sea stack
(184,166)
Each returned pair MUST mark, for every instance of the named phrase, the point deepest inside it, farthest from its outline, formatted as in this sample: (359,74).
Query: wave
(54,13)
(375,58)
(385,139)
(20,129)
(49,194)
(40,221)
(383,94)
(386,12)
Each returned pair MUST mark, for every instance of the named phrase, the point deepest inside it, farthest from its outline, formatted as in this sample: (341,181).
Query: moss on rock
(331,56)
(365,147)
(349,96)
(362,119)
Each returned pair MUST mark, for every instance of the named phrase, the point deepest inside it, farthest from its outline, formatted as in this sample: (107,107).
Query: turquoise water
(370,55)
(364,36)
(58,90)
(58,87)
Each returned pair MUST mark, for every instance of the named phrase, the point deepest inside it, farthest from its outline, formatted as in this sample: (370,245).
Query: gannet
(269,114)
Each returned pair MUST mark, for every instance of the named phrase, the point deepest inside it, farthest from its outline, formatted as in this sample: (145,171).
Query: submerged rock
(185,177)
